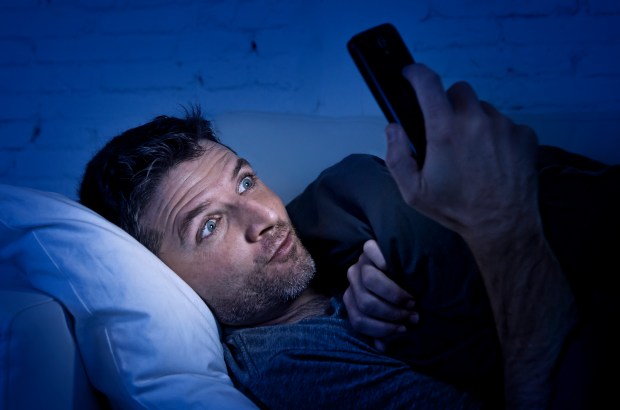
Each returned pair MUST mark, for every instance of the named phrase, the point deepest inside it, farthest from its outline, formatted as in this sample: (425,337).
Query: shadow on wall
(289,151)
(593,134)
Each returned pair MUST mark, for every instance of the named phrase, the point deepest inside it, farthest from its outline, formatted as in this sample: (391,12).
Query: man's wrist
(505,235)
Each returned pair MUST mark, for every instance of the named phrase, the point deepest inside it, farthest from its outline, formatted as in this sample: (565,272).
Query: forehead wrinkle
(175,172)
(195,184)
(173,205)
(195,188)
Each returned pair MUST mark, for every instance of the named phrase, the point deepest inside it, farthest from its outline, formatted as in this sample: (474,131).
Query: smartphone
(380,55)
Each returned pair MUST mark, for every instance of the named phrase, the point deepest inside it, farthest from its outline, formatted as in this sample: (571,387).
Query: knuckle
(347,298)
(375,279)
(393,159)
(371,279)
(357,321)
(352,273)
(460,87)
(366,304)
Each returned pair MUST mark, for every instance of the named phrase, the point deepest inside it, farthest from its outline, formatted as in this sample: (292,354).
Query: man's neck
(310,303)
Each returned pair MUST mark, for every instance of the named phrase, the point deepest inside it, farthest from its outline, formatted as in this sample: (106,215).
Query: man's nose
(260,219)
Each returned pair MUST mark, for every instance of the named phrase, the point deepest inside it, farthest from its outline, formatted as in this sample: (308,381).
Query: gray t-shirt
(321,363)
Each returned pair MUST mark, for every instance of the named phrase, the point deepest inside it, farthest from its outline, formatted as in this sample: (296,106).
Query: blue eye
(209,228)
(245,184)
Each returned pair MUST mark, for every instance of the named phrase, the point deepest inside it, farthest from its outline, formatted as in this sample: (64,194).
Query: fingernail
(410,305)
(414,318)
(401,329)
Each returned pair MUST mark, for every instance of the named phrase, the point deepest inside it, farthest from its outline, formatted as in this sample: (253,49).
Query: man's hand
(479,180)
(479,168)
(377,306)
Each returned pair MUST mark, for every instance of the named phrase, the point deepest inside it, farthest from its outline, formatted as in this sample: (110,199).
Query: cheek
(230,257)
(222,267)
(276,204)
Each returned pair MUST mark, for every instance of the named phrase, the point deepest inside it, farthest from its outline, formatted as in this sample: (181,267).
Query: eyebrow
(241,162)
(191,215)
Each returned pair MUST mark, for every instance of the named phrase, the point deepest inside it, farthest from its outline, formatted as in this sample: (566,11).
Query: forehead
(190,181)
(213,163)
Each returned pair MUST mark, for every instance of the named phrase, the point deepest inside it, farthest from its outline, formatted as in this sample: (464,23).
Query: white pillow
(146,338)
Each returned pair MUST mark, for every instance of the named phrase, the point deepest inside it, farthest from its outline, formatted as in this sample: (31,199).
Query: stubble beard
(271,285)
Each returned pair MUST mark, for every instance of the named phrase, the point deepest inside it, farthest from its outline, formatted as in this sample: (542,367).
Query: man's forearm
(533,308)
(479,180)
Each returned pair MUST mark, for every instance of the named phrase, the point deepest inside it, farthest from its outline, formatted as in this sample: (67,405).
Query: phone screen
(380,55)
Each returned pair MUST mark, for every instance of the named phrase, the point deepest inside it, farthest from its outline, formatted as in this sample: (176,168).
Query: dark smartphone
(380,55)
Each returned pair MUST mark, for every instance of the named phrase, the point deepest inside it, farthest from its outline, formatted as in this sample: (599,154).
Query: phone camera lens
(382,42)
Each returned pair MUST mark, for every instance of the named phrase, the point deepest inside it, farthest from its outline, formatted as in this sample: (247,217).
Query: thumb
(400,162)
(373,253)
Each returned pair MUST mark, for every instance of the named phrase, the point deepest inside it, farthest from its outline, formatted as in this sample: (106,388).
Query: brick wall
(73,73)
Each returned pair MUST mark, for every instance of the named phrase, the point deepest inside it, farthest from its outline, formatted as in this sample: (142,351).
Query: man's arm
(533,309)
(479,180)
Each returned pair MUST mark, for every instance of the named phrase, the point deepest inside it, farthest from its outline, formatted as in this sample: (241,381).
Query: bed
(75,290)
(90,319)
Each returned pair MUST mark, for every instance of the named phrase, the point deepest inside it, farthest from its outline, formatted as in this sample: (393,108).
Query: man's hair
(121,178)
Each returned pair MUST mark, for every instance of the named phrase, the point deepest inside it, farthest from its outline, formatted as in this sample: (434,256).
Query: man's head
(194,203)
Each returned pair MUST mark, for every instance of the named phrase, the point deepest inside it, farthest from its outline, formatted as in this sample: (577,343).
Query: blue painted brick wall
(73,73)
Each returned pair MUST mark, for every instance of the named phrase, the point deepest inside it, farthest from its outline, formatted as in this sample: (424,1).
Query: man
(201,209)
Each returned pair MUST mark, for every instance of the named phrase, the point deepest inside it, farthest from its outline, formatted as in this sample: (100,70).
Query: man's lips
(283,248)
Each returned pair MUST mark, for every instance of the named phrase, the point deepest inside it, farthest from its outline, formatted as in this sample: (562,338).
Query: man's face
(229,237)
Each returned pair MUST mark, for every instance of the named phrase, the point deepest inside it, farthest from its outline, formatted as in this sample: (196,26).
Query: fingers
(373,279)
(490,110)
(463,98)
(438,104)
(479,165)
(377,306)
(430,92)
(368,325)
(377,296)
(372,251)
